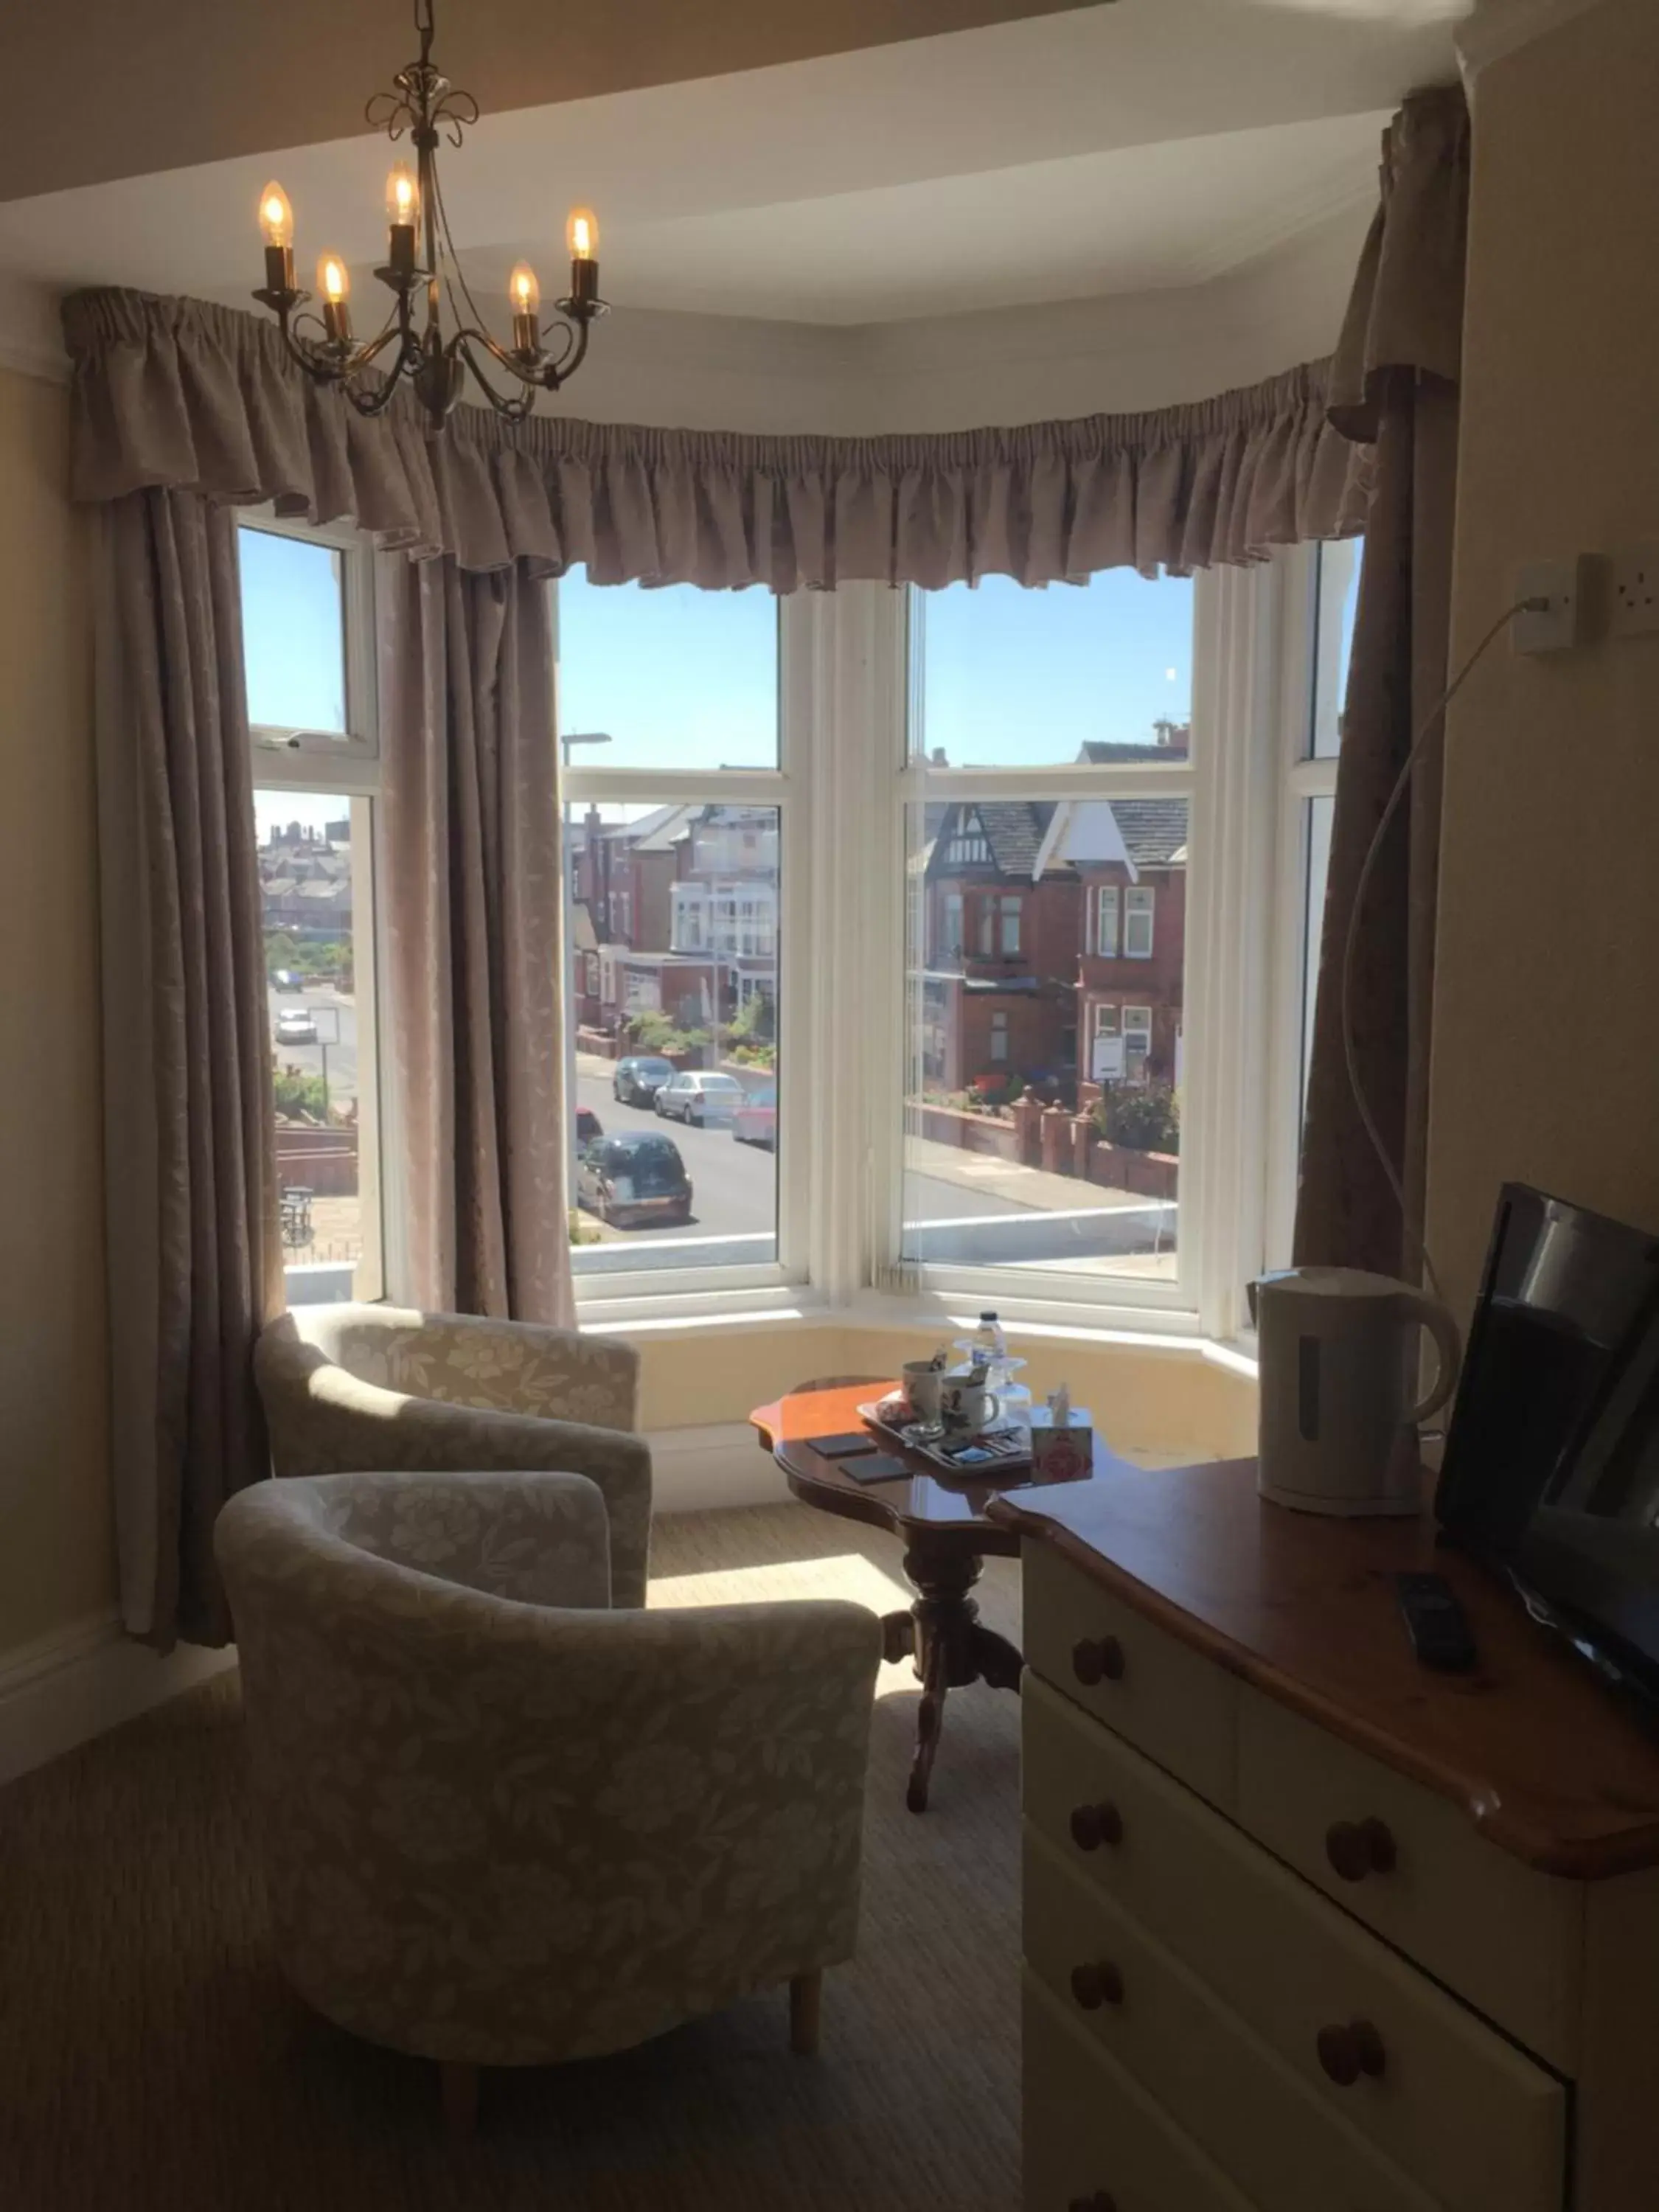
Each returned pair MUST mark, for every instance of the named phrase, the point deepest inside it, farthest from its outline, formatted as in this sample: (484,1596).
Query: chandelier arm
(511,410)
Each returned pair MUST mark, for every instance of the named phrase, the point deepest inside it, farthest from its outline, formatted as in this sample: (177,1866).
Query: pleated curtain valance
(188,395)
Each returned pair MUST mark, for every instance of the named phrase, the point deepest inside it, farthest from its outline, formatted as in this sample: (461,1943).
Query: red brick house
(1129,857)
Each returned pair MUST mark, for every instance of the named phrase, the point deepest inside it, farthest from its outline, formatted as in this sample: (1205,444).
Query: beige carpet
(152,2056)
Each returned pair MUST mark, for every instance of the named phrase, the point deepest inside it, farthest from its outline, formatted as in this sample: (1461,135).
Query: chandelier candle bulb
(523,296)
(276,228)
(581,235)
(403,208)
(334,282)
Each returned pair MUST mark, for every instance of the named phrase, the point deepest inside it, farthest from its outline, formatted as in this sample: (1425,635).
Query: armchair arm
(323,1420)
(538,1537)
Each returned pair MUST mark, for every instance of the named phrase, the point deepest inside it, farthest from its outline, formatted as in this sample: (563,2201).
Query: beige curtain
(194,1261)
(184,392)
(473,912)
(1393,387)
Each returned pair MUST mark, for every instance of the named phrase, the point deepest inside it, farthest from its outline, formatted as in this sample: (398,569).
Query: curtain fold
(194,1258)
(184,393)
(1394,386)
(474,919)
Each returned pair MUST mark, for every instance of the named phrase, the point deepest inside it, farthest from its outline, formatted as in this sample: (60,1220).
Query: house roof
(1013,829)
(1099,753)
(1154,830)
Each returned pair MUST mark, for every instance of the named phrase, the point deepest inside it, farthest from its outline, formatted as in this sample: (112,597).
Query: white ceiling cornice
(1499,28)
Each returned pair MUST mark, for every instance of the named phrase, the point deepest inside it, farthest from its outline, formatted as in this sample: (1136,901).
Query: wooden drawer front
(1179,1708)
(1218,2082)
(1502,1935)
(1458,2108)
(1091,2139)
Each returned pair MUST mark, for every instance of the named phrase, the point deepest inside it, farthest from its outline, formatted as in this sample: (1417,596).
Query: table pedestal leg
(942,1633)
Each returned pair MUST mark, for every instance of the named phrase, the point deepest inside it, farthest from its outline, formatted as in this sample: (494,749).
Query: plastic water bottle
(988,1343)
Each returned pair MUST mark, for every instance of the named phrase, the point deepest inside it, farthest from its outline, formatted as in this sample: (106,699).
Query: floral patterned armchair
(505,1823)
(353,1387)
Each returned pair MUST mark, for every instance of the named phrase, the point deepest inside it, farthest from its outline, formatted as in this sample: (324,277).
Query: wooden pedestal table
(941,1520)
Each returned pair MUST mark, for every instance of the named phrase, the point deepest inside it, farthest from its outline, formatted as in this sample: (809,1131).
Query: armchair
(505,1825)
(349,1387)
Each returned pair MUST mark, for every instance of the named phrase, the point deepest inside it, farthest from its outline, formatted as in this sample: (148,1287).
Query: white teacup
(967,1408)
(922,1381)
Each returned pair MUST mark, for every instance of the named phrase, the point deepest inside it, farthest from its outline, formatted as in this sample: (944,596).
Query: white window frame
(1106,902)
(1011,910)
(1135,1021)
(999,1047)
(1139,904)
(680,1288)
(956,943)
(329,765)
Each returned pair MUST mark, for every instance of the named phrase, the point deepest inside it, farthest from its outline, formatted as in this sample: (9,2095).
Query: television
(1550,1470)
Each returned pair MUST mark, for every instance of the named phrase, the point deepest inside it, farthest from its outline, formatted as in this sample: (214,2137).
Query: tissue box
(1065,1454)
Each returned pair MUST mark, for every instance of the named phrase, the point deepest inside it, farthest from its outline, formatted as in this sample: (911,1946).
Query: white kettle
(1338,1356)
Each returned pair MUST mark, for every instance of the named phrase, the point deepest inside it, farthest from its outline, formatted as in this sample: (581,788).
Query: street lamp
(567,739)
(583,738)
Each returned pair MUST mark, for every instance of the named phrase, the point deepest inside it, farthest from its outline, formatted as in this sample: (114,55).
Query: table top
(1547,1762)
(929,1505)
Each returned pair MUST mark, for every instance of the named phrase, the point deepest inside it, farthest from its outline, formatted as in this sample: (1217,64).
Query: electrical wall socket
(1555,629)
(1633,591)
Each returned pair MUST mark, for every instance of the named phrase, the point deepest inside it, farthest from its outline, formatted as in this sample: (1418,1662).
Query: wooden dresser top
(1548,1763)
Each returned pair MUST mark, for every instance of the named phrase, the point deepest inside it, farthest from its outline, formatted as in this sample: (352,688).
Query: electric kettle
(1337,1350)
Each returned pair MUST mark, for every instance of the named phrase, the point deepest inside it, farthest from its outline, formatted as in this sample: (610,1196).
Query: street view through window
(1047,937)
(312,848)
(672,927)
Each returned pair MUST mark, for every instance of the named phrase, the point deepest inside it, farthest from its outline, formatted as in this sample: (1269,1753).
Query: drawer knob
(1356,1848)
(1347,2052)
(1096,1983)
(1100,2202)
(1095,1824)
(1097,1659)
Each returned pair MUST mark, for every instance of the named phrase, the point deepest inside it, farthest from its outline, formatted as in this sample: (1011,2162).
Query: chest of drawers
(1307,1928)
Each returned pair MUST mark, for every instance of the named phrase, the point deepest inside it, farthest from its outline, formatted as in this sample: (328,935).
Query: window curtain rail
(182,393)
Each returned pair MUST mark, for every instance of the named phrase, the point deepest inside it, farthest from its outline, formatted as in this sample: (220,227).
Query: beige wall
(1547,1038)
(55,1544)
(1150,1403)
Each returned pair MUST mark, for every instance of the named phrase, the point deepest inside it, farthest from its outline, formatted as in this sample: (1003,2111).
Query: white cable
(1432,723)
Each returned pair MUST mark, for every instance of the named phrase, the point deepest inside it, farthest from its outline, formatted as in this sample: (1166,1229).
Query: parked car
(589,1126)
(633,1179)
(755,1122)
(288,979)
(296,1025)
(698,1098)
(640,1077)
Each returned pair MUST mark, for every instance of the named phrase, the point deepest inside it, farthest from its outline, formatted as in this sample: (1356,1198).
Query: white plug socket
(1633,591)
(1555,627)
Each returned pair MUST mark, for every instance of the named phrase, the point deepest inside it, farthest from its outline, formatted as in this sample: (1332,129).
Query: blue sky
(684,678)
(689,679)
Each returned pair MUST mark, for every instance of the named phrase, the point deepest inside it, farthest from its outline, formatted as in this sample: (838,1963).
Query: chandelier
(421,255)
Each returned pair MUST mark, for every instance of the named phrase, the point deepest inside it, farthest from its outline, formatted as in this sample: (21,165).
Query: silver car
(701,1100)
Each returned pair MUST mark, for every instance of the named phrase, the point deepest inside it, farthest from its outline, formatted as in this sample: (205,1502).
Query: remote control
(1435,1622)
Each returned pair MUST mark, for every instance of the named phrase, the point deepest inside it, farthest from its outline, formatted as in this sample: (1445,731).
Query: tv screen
(1565,1293)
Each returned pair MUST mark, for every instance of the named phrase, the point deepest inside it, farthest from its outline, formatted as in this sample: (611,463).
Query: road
(734,1210)
(336,1016)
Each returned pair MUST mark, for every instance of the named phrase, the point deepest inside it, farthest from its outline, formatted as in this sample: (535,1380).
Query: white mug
(967,1408)
(923,1382)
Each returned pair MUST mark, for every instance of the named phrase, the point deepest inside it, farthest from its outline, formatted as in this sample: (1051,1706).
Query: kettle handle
(1416,1305)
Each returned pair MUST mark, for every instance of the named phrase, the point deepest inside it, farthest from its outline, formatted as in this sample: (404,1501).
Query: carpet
(152,2056)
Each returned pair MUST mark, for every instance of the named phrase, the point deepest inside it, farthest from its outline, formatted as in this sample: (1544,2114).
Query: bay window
(1138,922)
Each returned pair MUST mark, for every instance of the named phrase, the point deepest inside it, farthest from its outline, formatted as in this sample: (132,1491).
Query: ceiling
(1099,149)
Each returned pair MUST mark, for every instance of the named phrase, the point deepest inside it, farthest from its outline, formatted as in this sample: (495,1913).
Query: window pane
(1336,597)
(1320,813)
(672,937)
(993,1175)
(672,678)
(1008,677)
(293,632)
(320,975)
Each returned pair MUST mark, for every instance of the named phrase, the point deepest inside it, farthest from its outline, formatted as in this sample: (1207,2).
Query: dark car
(589,1126)
(288,979)
(640,1077)
(634,1179)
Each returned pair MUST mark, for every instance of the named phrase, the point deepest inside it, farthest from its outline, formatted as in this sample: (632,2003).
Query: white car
(296,1025)
(698,1099)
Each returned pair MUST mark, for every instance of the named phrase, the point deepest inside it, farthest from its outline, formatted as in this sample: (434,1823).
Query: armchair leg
(805,1992)
(457,2086)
